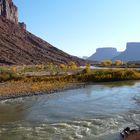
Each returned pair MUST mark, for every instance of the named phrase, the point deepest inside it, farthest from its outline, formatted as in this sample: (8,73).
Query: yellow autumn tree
(106,63)
(62,66)
(87,68)
(72,65)
(118,62)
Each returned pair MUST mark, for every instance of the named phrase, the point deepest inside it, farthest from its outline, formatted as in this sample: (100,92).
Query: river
(95,112)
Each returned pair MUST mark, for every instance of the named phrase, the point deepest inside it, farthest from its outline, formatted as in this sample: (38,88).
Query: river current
(95,112)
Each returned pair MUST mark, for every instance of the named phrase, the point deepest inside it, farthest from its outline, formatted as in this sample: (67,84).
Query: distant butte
(104,54)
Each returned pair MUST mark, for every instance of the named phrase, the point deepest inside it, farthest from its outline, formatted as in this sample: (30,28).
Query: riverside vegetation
(28,80)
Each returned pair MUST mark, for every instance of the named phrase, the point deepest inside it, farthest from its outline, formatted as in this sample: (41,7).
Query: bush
(6,75)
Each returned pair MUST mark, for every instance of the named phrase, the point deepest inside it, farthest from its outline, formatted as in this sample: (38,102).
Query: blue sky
(79,27)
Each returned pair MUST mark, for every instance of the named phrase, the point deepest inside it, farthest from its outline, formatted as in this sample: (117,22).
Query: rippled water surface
(96,112)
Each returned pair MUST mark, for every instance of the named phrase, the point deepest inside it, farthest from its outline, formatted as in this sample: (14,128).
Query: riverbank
(20,85)
(11,90)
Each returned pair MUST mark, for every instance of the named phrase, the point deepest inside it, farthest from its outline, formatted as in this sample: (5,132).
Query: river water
(95,112)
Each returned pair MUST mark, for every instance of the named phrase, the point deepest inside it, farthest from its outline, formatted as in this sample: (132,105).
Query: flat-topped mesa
(104,54)
(107,50)
(10,12)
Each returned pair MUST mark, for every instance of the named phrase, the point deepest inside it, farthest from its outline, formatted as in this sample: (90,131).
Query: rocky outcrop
(132,52)
(104,54)
(22,25)
(9,10)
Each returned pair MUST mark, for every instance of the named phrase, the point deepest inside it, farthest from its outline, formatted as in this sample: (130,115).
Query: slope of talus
(18,46)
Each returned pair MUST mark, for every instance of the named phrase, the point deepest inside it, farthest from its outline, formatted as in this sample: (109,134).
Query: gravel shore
(68,86)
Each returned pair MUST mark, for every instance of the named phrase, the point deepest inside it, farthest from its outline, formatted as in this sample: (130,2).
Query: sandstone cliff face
(132,52)
(9,10)
(104,54)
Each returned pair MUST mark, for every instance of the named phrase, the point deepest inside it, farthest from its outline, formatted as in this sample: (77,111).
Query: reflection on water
(96,112)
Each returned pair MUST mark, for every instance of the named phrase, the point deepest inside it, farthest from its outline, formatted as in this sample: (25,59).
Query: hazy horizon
(79,27)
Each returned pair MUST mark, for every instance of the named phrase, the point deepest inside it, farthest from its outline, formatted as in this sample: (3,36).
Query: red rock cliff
(9,10)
